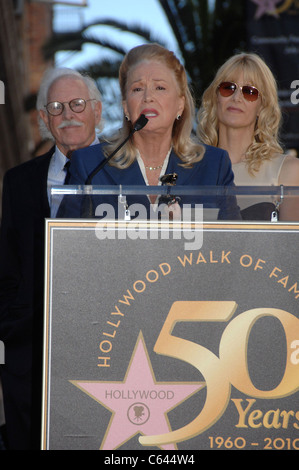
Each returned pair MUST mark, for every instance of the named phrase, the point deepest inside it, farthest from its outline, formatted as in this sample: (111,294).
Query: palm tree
(207,33)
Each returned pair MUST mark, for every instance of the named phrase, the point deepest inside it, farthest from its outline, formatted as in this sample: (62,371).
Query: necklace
(153,167)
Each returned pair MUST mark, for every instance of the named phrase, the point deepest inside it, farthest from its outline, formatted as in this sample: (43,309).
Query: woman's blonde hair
(185,147)
(265,140)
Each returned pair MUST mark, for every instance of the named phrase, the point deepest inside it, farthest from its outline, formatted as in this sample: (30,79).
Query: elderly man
(69,106)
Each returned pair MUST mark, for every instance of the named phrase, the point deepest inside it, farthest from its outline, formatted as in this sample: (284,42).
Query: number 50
(230,368)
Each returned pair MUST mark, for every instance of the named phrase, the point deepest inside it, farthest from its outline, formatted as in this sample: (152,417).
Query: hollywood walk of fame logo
(139,404)
(138,413)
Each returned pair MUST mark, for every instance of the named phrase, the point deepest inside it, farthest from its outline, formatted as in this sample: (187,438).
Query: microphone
(139,124)
(169,180)
(86,208)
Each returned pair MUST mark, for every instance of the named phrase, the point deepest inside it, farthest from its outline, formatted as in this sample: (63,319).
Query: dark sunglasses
(250,93)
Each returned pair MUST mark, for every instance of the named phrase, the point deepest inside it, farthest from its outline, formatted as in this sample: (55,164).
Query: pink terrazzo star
(265,6)
(138,404)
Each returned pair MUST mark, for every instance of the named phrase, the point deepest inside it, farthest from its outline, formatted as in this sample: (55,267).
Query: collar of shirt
(142,166)
(56,172)
(162,172)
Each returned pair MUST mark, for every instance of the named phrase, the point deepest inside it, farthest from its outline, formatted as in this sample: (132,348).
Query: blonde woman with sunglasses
(240,113)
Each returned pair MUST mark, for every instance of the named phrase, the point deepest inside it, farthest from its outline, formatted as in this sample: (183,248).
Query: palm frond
(205,36)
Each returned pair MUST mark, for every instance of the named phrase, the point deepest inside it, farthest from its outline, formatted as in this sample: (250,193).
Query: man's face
(72,130)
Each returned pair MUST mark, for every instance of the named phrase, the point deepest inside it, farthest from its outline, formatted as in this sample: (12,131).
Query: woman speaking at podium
(154,85)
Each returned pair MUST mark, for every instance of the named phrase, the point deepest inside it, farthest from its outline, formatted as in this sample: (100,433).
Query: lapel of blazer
(41,177)
(174,166)
(131,176)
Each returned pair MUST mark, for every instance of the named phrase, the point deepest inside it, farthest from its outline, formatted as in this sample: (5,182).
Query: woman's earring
(178,117)
(127,118)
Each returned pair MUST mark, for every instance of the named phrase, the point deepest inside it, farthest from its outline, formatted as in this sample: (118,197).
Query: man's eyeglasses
(249,92)
(77,105)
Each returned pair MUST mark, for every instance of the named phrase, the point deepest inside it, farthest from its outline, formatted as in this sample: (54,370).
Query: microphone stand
(86,208)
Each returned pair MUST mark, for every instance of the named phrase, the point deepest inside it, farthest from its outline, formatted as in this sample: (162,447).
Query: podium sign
(171,338)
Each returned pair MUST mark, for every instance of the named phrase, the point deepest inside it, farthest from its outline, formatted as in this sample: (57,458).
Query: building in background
(273,33)
(25,26)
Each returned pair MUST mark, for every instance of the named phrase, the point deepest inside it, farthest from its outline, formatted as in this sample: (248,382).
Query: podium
(171,335)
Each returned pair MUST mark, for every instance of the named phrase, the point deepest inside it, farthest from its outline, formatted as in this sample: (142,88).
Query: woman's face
(152,90)
(235,111)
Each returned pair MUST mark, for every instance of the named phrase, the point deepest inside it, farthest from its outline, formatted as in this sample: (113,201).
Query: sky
(147,13)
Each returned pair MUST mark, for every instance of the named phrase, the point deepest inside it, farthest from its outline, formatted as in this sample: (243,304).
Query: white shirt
(56,176)
(162,172)
(142,167)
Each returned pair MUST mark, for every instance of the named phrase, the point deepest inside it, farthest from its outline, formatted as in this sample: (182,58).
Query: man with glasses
(70,110)
(69,106)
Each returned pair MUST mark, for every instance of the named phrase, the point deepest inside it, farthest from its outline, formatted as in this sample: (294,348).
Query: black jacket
(24,209)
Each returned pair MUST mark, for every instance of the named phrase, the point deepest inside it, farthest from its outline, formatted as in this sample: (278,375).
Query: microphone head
(140,123)
(169,180)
